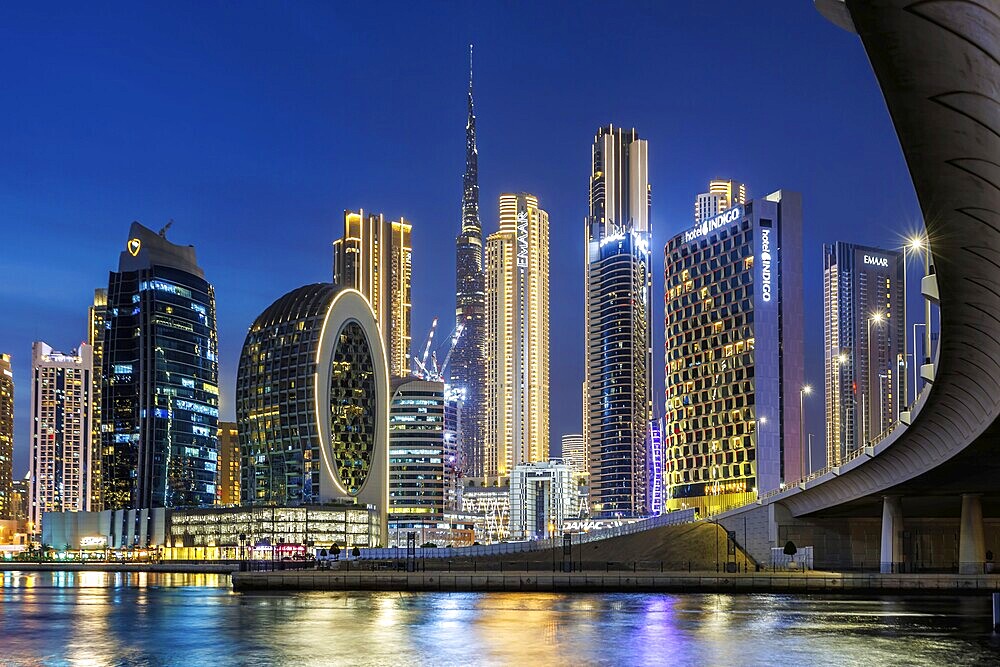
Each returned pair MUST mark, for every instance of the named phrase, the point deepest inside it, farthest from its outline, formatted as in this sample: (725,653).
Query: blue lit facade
(619,282)
(654,467)
(734,355)
(159,439)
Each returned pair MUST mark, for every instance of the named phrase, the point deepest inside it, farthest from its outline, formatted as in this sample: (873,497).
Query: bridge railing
(823,471)
(504,548)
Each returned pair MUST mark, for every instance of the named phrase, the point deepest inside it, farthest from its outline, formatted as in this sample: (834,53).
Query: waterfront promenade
(608,582)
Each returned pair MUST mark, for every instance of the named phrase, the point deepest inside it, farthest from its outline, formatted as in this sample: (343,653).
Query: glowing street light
(877,318)
(804,391)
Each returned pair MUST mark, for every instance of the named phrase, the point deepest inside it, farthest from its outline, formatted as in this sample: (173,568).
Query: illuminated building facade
(375,257)
(490,505)
(213,533)
(619,284)
(229,464)
(654,467)
(424,455)
(734,355)
(7,505)
(312,392)
(722,195)
(160,379)
(542,497)
(864,336)
(468,360)
(61,433)
(97,320)
(574,453)
(517,325)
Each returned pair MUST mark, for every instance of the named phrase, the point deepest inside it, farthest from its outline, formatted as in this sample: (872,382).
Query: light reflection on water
(92,618)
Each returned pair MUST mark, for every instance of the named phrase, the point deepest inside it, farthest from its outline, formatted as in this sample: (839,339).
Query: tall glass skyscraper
(160,393)
(619,284)
(517,326)
(468,364)
(864,336)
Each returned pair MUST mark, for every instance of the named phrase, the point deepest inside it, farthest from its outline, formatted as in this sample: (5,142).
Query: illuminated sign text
(710,225)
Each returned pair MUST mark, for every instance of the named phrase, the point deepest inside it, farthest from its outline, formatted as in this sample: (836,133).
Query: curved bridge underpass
(917,498)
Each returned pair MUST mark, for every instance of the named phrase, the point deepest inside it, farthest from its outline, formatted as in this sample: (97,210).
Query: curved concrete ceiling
(938,65)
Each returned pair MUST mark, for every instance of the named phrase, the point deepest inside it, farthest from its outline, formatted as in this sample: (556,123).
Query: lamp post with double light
(803,392)
(876,317)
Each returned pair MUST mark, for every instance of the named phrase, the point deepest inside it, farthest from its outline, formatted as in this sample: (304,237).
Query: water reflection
(91,618)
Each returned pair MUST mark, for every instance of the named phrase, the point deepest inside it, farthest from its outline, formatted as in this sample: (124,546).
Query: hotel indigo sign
(710,225)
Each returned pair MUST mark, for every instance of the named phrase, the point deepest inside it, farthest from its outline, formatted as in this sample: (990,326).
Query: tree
(335,550)
(428,545)
(355,552)
(790,549)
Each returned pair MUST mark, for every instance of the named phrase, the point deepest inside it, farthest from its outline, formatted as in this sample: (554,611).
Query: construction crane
(427,367)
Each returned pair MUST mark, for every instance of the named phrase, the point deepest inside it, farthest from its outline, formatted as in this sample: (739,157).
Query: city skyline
(252,274)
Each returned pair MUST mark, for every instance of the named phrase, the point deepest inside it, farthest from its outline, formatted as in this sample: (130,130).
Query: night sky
(253,126)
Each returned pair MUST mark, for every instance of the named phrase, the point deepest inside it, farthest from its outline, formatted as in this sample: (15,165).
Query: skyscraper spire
(468,365)
(470,183)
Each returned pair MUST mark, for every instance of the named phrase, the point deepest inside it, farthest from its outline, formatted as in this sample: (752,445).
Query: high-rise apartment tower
(7,509)
(864,335)
(722,195)
(619,284)
(375,257)
(61,433)
(517,326)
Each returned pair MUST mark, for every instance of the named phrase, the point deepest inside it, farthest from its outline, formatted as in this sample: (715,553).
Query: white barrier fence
(669,519)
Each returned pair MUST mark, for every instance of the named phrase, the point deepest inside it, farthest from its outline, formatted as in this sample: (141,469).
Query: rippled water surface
(169,619)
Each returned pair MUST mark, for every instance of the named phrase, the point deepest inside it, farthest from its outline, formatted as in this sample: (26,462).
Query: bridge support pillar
(891,555)
(971,543)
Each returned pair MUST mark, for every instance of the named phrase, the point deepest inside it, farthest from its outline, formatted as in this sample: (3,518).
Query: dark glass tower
(619,283)
(160,407)
(468,364)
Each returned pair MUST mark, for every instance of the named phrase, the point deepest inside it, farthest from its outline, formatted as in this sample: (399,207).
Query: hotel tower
(734,355)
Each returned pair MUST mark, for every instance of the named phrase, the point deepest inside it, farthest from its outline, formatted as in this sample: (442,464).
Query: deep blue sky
(253,125)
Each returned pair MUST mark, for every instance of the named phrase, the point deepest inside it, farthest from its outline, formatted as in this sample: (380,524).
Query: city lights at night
(493,333)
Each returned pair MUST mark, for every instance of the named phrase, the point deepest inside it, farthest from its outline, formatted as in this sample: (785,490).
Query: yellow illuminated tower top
(375,257)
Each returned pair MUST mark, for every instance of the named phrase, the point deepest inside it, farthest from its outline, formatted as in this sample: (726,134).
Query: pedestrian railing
(503,548)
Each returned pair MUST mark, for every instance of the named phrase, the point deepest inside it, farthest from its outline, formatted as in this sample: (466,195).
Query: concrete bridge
(916,497)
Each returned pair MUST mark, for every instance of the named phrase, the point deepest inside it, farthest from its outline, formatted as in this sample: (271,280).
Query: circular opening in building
(353,406)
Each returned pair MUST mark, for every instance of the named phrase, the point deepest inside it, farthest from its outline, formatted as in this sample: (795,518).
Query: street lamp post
(916,364)
(877,318)
(804,391)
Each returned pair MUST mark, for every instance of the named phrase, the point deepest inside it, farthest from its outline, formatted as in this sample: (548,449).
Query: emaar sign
(875,260)
(710,225)
(522,239)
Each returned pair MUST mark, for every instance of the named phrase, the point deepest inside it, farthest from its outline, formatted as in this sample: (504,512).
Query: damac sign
(765,264)
(710,225)
(873,260)
(522,238)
